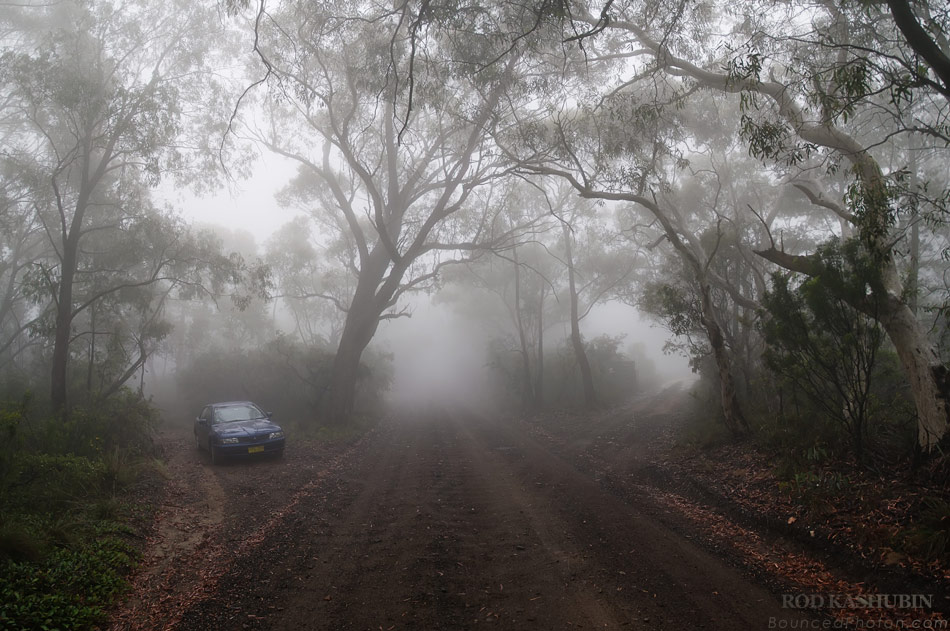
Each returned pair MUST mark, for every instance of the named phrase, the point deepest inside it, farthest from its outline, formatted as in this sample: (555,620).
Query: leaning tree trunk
(341,391)
(362,319)
(927,375)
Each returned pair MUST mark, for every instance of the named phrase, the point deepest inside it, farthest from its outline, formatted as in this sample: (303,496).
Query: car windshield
(245,412)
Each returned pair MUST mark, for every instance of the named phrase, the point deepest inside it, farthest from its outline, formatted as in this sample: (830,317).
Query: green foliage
(121,423)
(11,419)
(680,311)
(744,68)
(841,88)
(816,489)
(285,377)
(53,481)
(821,344)
(806,477)
(616,376)
(69,588)
(871,204)
(701,429)
(64,546)
(677,309)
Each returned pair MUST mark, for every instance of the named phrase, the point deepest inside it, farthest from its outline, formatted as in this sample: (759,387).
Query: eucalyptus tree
(130,269)
(819,116)
(96,94)
(595,264)
(654,150)
(391,118)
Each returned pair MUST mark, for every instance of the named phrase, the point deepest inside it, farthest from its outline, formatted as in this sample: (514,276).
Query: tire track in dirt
(371,548)
(641,570)
(450,523)
(187,527)
(199,532)
(433,541)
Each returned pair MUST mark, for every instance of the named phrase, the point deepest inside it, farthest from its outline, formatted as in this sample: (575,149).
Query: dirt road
(437,521)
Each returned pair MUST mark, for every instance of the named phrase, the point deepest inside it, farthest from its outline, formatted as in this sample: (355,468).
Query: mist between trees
(766,180)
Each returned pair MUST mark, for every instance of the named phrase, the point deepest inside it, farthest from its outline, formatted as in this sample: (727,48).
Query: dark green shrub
(63,549)
(821,344)
(70,588)
(283,376)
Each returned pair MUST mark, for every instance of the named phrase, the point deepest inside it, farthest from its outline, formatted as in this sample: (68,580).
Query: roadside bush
(40,482)
(283,376)
(615,375)
(11,419)
(70,587)
(816,489)
(832,359)
(821,345)
(64,548)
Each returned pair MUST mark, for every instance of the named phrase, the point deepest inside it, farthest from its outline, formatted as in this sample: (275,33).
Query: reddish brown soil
(436,521)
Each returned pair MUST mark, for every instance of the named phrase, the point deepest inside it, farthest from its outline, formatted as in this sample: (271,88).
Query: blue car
(237,428)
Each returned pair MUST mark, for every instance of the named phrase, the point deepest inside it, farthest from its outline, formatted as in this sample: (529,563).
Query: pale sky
(245,205)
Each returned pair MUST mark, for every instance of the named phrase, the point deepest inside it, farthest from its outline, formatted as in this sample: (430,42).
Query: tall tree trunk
(928,377)
(539,373)
(341,393)
(580,353)
(64,321)
(90,365)
(527,396)
(731,410)
(369,302)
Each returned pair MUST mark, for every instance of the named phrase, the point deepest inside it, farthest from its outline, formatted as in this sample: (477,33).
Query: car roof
(224,404)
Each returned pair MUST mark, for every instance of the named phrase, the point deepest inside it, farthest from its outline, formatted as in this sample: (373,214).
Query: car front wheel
(215,456)
(197,442)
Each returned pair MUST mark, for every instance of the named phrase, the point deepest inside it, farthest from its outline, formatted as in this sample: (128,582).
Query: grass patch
(340,432)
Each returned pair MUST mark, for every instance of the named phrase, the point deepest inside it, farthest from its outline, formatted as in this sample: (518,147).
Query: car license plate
(254,450)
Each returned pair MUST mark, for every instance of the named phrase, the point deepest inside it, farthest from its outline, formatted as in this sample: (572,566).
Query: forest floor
(443,520)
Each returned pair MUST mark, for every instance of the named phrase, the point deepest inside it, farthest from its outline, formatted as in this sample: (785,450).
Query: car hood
(246,428)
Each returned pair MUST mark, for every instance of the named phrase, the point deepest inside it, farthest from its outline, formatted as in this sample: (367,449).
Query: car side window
(205,414)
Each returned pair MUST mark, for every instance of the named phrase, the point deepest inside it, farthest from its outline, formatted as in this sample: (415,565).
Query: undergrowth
(65,541)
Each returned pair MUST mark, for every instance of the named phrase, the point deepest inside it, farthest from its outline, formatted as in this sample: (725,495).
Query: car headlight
(274,435)
(229,441)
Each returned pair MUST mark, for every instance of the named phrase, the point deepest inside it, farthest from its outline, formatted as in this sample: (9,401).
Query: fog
(437,353)
(454,252)
(440,355)
(256,218)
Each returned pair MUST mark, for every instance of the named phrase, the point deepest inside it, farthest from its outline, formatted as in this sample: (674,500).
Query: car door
(203,427)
